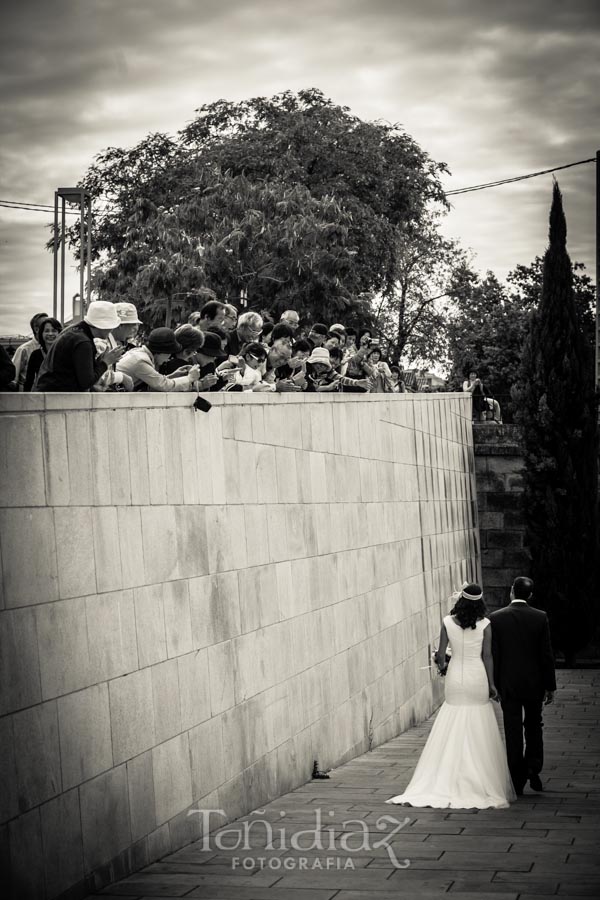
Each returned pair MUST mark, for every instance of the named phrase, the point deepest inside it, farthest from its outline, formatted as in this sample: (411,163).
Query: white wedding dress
(463,764)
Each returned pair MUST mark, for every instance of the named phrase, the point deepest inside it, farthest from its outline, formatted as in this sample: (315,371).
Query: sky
(493,90)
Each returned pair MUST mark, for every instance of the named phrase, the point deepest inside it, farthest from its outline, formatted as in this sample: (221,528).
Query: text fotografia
(353,837)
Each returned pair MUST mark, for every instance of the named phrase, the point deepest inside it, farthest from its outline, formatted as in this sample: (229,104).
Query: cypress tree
(557,409)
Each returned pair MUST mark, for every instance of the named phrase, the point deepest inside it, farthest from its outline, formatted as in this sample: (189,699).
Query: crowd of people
(215,350)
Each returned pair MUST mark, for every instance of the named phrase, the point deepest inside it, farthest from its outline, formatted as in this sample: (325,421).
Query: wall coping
(13,402)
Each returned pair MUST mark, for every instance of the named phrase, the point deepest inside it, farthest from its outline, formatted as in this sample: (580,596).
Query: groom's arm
(496,655)
(547,658)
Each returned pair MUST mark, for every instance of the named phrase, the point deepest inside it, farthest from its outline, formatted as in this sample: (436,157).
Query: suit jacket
(523,658)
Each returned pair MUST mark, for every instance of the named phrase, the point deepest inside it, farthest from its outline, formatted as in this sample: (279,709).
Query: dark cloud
(493,89)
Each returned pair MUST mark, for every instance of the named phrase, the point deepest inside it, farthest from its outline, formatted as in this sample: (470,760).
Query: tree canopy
(290,201)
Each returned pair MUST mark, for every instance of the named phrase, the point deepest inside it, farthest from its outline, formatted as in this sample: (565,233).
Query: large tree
(288,201)
(411,315)
(557,409)
(489,323)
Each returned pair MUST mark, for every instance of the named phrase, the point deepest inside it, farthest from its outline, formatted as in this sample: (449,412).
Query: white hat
(320,355)
(127,313)
(102,314)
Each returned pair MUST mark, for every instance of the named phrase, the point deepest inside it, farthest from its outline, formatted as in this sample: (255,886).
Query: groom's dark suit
(523,672)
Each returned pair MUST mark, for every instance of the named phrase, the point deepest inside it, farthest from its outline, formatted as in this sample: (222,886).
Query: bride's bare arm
(440,656)
(486,655)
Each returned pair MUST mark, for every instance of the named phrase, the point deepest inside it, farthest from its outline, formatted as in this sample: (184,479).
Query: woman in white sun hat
(71,363)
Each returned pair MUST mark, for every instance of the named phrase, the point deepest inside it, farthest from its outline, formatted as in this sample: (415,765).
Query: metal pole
(81,247)
(55,285)
(89,257)
(62,263)
(597,372)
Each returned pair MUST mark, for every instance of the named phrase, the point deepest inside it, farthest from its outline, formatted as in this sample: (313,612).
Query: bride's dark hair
(468,612)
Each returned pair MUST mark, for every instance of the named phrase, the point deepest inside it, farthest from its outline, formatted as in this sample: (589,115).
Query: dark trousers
(523,716)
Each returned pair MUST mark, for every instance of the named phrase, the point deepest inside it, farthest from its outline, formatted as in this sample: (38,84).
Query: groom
(524,676)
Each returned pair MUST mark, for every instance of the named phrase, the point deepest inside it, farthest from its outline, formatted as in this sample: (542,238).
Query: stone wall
(196,606)
(499,465)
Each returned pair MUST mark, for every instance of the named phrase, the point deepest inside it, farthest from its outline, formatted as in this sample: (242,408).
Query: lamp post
(81,198)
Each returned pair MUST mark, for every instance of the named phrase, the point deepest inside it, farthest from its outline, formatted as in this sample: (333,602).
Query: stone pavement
(545,845)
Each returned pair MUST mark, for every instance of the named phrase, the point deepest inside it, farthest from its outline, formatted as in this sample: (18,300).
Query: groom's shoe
(536,783)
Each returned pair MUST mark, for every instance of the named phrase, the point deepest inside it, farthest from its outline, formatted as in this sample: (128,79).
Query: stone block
(75,551)
(266,474)
(112,635)
(499,502)
(131,715)
(63,647)
(165,695)
(206,756)
(9,805)
(172,777)
(173,456)
(257,535)
(213,469)
(496,578)
(150,624)
(159,535)
(517,559)
(138,457)
(491,520)
(492,558)
(54,429)
(21,461)
(19,661)
(192,544)
(37,755)
(194,688)
(28,556)
(140,780)
(105,822)
(220,552)
(504,539)
(62,842)
(79,446)
(204,598)
(278,533)
(505,465)
(100,436)
(26,856)
(514,519)
(118,453)
(129,523)
(221,666)
(178,625)
(85,735)
(107,549)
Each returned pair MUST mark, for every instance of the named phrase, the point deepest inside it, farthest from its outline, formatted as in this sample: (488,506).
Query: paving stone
(544,845)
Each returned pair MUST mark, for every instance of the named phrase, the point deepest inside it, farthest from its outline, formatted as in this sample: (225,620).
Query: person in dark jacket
(71,363)
(7,369)
(525,679)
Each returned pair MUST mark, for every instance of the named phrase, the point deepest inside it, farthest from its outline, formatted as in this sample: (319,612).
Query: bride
(463,764)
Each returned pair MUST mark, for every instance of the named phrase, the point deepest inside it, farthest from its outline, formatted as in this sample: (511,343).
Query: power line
(45,207)
(481,187)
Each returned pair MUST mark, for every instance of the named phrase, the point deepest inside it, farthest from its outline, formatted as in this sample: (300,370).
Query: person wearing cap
(71,364)
(322,376)
(190,340)
(142,364)
(208,356)
(318,334)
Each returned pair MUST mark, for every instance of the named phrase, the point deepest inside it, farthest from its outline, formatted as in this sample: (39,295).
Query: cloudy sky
(493,90)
